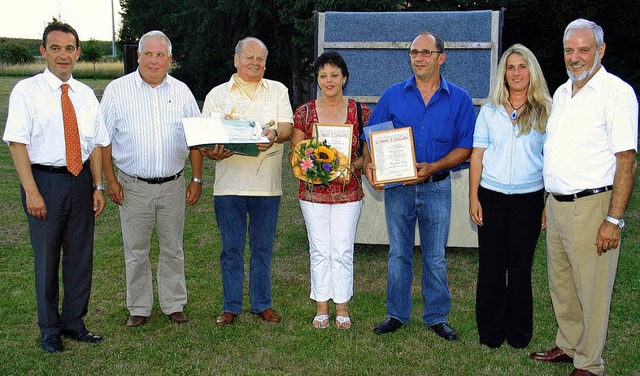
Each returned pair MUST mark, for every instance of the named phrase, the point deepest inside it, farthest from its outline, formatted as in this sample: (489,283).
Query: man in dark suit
(55,132)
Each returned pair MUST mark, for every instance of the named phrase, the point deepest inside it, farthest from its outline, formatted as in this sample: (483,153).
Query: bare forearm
(626,167)
(21,161)
(196,160)
(284,131)
(452,159)
(475,172)
(107,164)
(96,165)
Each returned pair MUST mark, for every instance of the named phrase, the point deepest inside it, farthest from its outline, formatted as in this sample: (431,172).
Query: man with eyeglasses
(442,119)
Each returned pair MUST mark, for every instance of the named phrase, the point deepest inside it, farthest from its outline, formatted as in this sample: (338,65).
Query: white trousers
(331,230)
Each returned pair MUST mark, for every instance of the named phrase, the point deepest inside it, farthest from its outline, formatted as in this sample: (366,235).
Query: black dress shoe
(444,330)
(389,325)
(82,335)
(52,343)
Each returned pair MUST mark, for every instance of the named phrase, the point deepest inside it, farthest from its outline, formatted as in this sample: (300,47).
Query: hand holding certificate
(240,136)
(393,154)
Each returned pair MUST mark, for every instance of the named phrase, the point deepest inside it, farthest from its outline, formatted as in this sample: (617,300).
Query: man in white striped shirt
(143,112)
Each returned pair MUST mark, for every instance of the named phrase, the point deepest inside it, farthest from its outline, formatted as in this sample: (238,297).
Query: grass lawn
(251,346)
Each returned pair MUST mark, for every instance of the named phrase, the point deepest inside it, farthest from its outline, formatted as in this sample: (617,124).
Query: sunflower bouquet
(316,162)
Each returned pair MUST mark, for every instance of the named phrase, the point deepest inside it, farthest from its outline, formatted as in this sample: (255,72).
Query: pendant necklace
(514,114)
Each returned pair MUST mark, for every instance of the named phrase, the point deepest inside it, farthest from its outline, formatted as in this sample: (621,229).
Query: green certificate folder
(239,136)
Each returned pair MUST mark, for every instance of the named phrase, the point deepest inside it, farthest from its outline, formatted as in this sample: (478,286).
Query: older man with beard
(589,170)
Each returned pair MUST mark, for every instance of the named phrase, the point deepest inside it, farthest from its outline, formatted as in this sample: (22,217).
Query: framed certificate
(338,136)
(394,156)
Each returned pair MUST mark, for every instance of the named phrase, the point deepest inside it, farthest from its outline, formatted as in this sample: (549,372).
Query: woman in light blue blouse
(506,196)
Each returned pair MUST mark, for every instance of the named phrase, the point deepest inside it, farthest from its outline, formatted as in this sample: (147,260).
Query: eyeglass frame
(424,53)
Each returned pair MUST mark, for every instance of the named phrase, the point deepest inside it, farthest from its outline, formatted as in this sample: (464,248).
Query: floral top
(336,192)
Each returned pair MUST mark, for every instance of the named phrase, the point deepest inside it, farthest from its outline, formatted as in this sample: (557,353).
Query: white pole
(113,31)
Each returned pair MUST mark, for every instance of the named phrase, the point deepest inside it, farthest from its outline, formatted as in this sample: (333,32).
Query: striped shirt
(145,125)
(35,118)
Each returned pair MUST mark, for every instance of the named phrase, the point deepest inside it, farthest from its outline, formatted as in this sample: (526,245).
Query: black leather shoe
(52,343)
(445,331)
(82,335)
(389,325)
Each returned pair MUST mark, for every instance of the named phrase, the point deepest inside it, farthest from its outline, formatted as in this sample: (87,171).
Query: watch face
(621,223)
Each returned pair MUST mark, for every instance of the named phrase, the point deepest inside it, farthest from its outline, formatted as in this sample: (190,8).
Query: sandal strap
(343,319)
(321,318)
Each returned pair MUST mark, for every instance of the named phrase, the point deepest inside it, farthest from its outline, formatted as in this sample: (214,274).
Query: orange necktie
(71,135)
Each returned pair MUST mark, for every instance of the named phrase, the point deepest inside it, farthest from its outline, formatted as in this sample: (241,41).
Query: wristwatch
(618,222)
(276,132)
(197,180)
(100,187)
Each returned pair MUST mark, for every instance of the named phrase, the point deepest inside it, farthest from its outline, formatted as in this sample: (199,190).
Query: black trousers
(507,241)
(66,233)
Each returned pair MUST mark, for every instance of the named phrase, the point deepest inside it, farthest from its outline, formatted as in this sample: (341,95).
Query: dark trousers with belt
(507,241)
(68,228)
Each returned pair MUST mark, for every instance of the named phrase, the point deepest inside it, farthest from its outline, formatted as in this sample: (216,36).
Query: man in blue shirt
(441,116)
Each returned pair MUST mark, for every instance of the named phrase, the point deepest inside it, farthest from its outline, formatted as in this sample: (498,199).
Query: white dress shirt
(585,132)
(35,118)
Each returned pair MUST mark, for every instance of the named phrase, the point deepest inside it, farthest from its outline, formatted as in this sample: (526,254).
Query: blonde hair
(538,106)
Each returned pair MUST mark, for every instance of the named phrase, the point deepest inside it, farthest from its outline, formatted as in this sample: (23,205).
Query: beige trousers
(145,207)
(580,281)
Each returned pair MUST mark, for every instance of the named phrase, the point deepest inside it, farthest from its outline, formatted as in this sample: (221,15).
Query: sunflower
(324,154)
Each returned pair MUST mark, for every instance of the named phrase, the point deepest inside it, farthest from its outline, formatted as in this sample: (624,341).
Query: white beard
(585,74)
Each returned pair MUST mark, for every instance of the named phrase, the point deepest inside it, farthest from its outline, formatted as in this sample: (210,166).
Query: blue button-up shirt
(443,124)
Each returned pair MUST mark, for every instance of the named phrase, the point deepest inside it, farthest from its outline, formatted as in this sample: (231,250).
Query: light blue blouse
(511,164)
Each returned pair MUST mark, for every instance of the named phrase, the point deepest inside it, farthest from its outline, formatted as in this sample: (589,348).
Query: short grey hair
(154,34)
(246,40)
(581,23)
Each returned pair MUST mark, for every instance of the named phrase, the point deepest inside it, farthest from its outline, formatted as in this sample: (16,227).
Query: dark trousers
(507,241)
(68,227)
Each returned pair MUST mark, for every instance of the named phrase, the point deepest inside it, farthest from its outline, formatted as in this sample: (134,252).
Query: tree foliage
(11,53)
(204,33)
(92,51)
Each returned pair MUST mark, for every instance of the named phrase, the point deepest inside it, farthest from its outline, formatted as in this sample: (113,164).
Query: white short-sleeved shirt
(145,124)
(585,132)
(245,175)
(35,118)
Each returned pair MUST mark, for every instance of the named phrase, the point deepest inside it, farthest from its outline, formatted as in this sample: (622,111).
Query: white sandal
(343,322)
(320,319)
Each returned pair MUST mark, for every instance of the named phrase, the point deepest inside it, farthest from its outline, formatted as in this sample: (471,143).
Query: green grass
(251,346)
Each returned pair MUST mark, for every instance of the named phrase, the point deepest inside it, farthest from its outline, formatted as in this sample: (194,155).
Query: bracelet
(100,187)
(197,180)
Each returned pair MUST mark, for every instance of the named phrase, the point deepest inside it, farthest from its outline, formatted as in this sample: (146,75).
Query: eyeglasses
(424,53)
